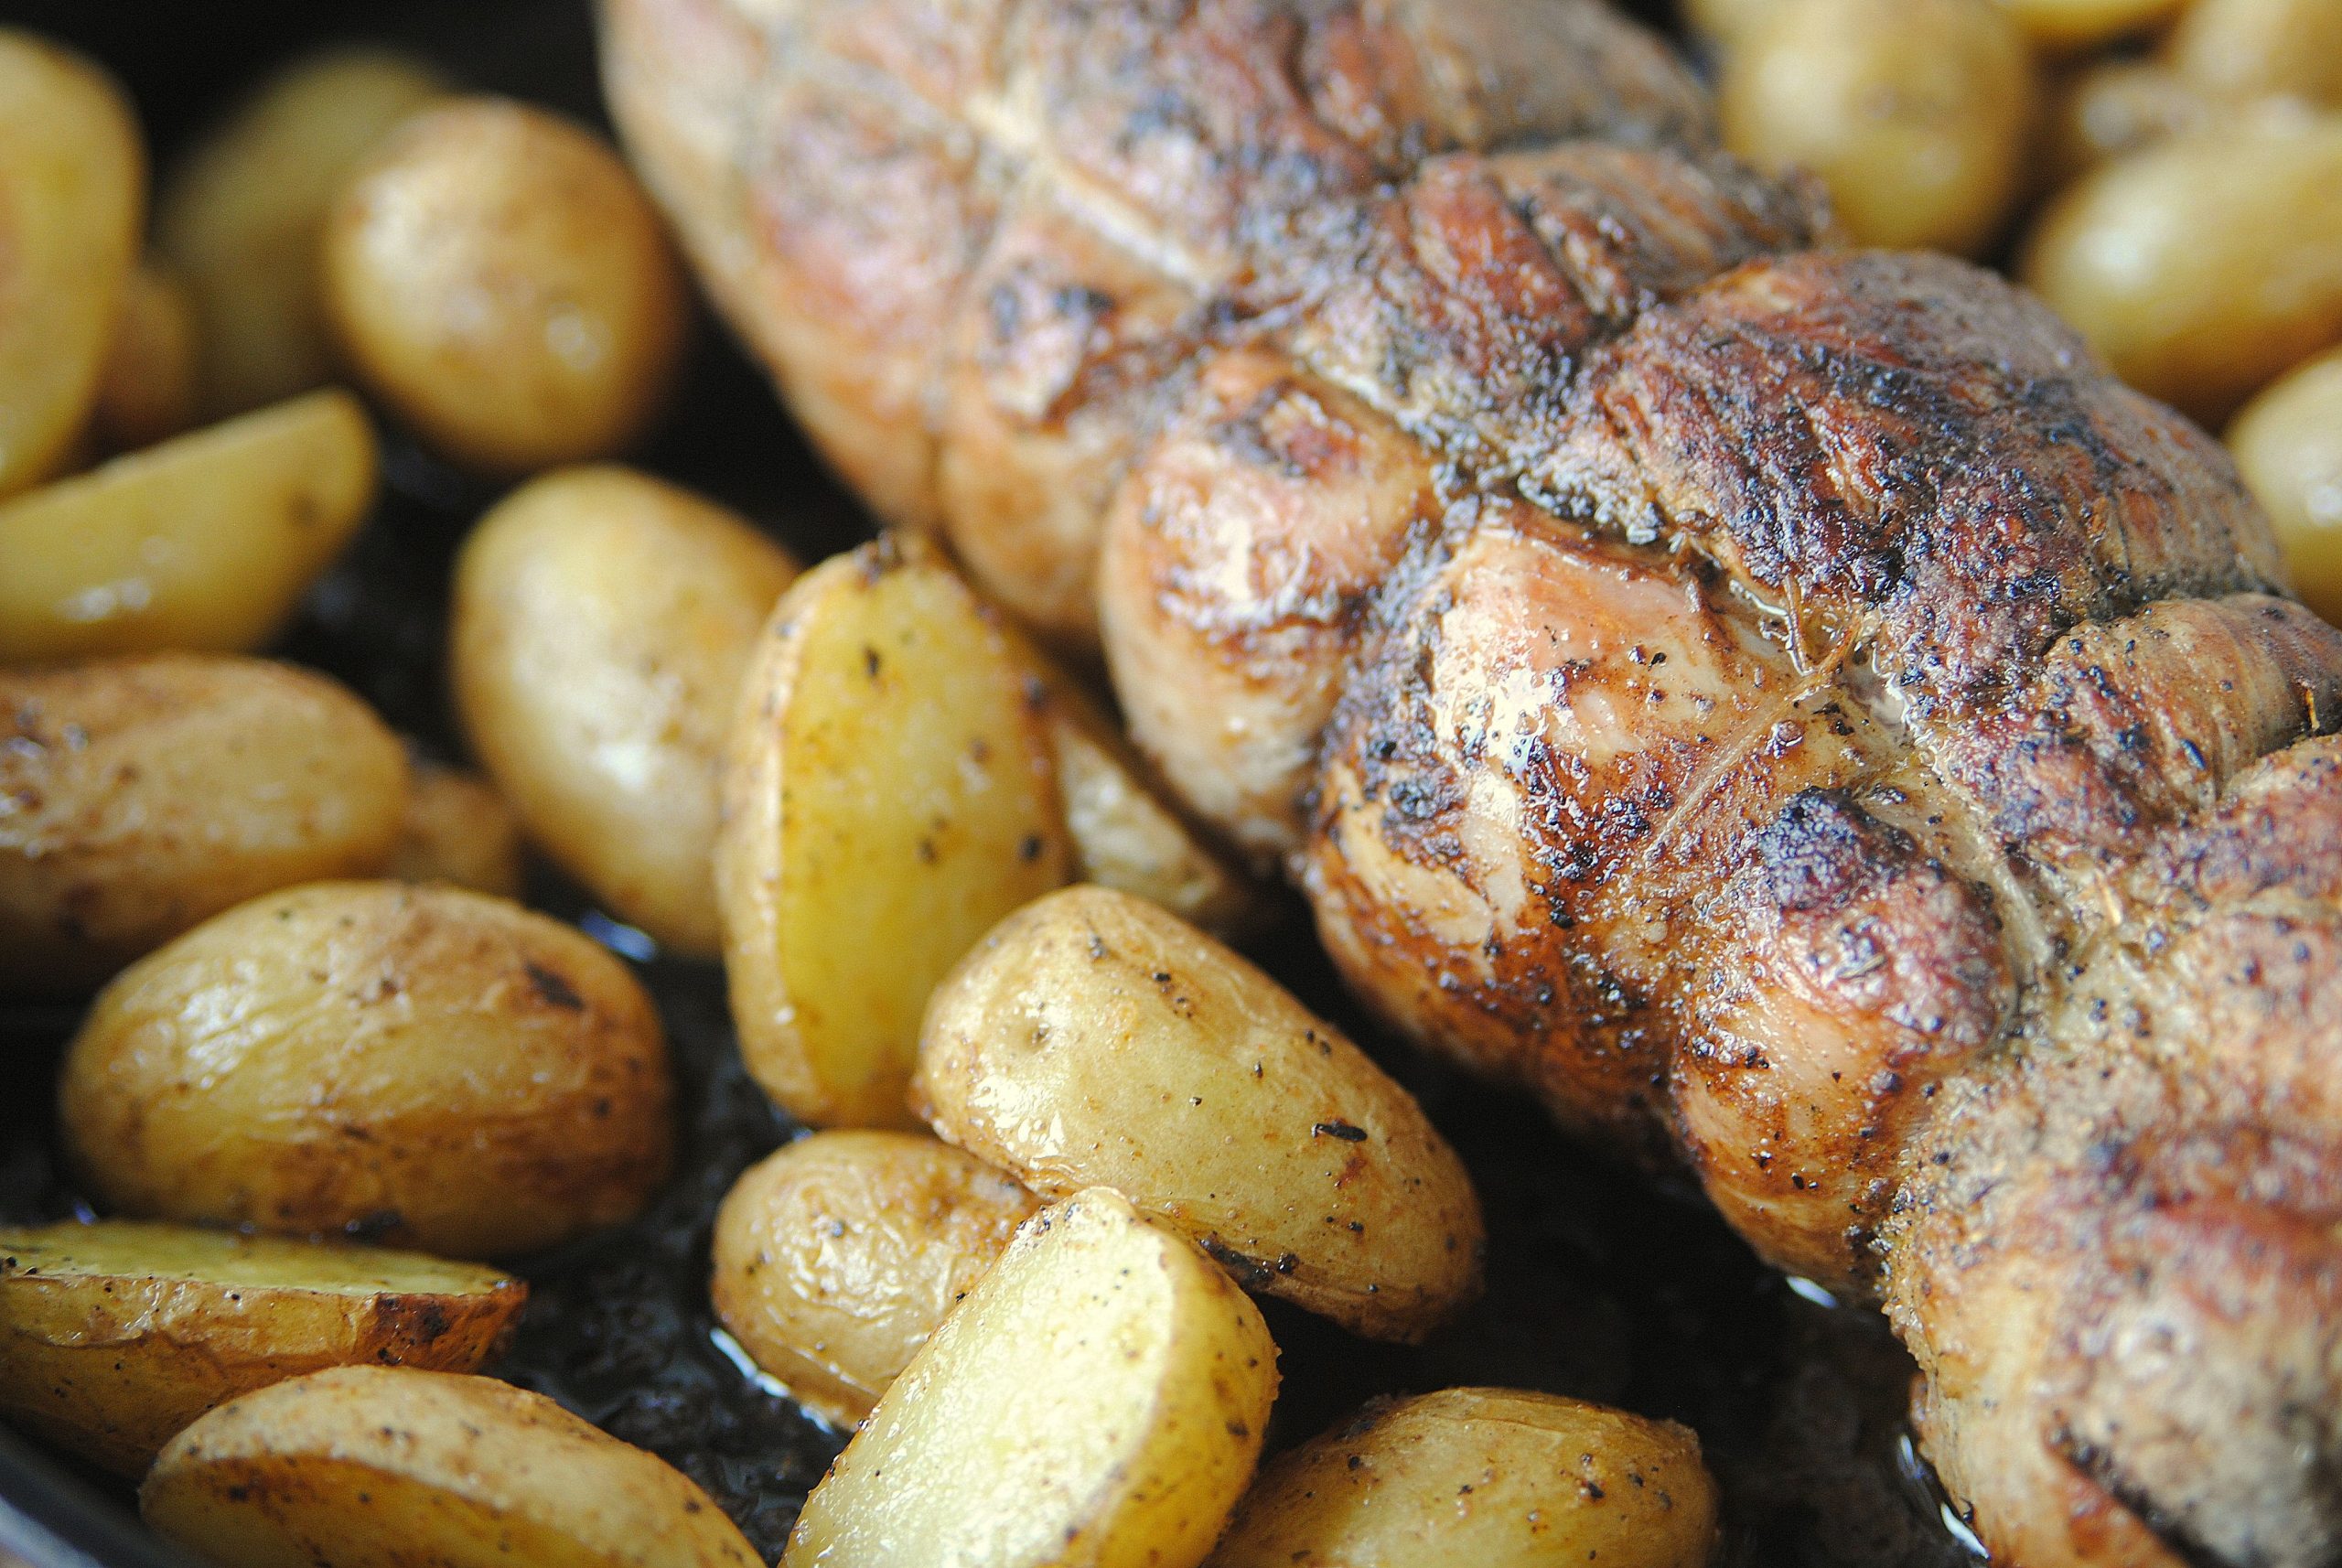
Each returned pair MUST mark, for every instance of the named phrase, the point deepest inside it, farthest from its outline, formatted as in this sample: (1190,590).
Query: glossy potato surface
(1097,1402)
(114,1337)
(205,542)
(1095,1040)
(495,275)
(836,1257)
(145,795)
(603,621)
(431,1065)
(2288,447)
(458,829)
(891,795)
(388,1467)
(1495,1478)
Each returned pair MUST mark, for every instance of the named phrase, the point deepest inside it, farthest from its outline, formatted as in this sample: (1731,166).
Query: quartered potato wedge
(114,1336)
(388,1467)
(1097,1402)
(204,542)
(73,198)
(1094,1040)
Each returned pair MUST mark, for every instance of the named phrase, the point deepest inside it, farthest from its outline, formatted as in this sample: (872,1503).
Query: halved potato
(1094,1040)
(146,390)
(114,1336)
(72,194)
(835,1258)
(204,542)
(1495,1478)
(458,829)
(389,1468)
(1096,1401)
(889,796)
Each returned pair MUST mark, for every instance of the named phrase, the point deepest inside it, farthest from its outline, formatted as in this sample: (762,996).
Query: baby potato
(891,795)
(1914,113)
(2260,48)
(114,1337)
(390,1467)
(205,542)
(495,274)
(147,386)
(2117,106)
(2205,264)
(2288,445)
(427,1064)
(1495,1478)
(72,195)
(836,1257)
(602,623)
(1094,1040)
(458,830)
(1097,1402)
(239,219)
(141,796)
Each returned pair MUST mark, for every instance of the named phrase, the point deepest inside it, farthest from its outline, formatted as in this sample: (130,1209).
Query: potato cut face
(1495,1478)
(891,795)
(204,542)
(114,1337)
(1094,1040)
(1097,1400)
(383,1467)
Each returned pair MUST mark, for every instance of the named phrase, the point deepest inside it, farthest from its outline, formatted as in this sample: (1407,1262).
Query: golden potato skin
(1094,1040)
(390,1467)
(241,217)
(495,275)
(147,388)
(1097,1402)
(1495,1478)
(2064,27)
(444,1069)
(2288,447)
(145,795)
(205,542)
(603,621)
(72,203)
(890,795)
(2204,265)
(1915,115)
(836,1257)
(2117,106)
(114,1337)
(458,829)
(2258,48)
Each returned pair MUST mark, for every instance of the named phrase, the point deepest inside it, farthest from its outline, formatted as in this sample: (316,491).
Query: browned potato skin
(835,1258)
(2204,265)
(458,829)
(148,794)
(2256,49)
(1094,1040)
(495,275)
(1916,116)
(113,1361)
(147,388)
(1495,1478)
(603,623)
(445,1071)
(2288,447)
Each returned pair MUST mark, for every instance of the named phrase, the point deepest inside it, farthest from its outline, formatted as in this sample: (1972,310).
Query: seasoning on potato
(425,1065)
(1495,1478)
(239,219)
(891,795)
(1097,1402)
(1094,1040)
(836,1257)
(147,388)
(114,1337)
(2204,265)
(386,1467)
(602,624)
(494,273)
(205,542)
(456,829)
(72,200)
(141,796)
(1914,113)
(2288,445)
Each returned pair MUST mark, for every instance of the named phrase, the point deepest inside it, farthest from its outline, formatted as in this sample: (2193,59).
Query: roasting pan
(1603,1283)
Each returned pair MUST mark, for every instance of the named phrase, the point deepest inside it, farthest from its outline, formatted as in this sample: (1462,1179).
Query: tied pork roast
(1787,706)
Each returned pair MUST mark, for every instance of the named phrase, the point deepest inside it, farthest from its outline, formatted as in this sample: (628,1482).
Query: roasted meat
(1791,708)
